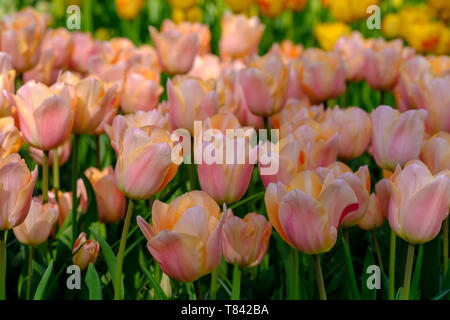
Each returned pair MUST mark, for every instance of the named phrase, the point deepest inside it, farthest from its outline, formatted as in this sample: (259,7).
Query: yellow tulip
(328,33)
(129,9)
(391,25)
(239,5)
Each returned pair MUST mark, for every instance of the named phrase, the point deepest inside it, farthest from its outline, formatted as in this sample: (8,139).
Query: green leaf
(92,212)
(93,283)
(441,295)
(159,293)
(350,271)
(415,290)
(108,253)
(366,293)
(41,289)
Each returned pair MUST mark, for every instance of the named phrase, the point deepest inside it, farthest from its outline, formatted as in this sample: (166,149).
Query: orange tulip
(86,251)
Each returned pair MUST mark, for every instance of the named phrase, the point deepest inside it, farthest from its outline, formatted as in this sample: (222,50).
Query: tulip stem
(408,271)
(123,241)
(346,237)
(391,294)
(55,173)
(97,152)
(45,177)
(236,289)
(377,249)
(319,277)
(213,289)
(30,271)
(198,290)
(2,265)
(381,97)
(74,187)
(445,246)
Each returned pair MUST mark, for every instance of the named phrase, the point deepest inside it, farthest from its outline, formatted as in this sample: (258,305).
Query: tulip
(351,49)
(322,75)
(419,202)
(185,236)
(288,50)
(85,251)
(190,99)
(271,8)
(240,36)
(354,128)
(206,67)
(144,159)
(201,30)
(296,5)
(83,47)
(436,152)
(382,63)
(176,51)
(396,137)
(129,9)
(45,113)
(264,84)
(21,35)
(245,241)
(10,137)
(391,25)
(17,184)
(328,33)
(182,4)
(111,203)
(63,152)
(7,78)
(225,182)
(65,201)
(307,213)
(239,5)
(38,224)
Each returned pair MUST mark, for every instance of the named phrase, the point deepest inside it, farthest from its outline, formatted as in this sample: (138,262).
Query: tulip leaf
(159,293)
(366,293)
(92,212)
(93,283)
(108,254)
(350,271)
(42,287)
(441,295)
(415,291)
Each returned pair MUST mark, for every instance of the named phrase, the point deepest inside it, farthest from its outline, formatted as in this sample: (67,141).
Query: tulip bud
(85,251)
(373,217)
(436,152)
(201,30)
(351,50)
(129,9)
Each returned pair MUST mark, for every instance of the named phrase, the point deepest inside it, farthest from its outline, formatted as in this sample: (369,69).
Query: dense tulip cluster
(315,176)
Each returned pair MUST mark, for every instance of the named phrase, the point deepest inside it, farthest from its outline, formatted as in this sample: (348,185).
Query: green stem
(97,152)
(236,289)
(2,265)
(346,237)
(198,290)
(213,289)
(30,271)
(74,187)
(292,275)
(123,241)
(445,246)
(319,277)
(86,13)
(56,173)
(45,177)
(408,271)
(382,97)
(377,249)
(391,294)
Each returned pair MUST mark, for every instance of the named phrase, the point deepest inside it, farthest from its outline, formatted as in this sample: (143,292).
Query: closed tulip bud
(307,213)
(7,83)
(245,241)
(111,203)
(201,30)
(10,137)
(351,50)
(86,251)
(240,36)
(185,236)
(271,8)
(419,202)
(63,152)
(38,224)
(45,113)
(396,137)
(144,160)
(176,51)
(382,63)
(264,84)
(129,9)
(354,127)
(322,75)
(190,99)
(436,152)
(225,182)
(16,189)
(21,35)
(373,217)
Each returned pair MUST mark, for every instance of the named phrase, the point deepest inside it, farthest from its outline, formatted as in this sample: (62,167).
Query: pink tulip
(21,35)
(83,47)
(38,224)
(111,203)
(16,190)
(240,36)
(86,251)
(288,50)
(322,75)
(264,84)
(245,241)
(185,236)
(307,213)
(201,30)
(65,201)
(396,137)
(354,128)
(419,202)
(45,113)
(176,51)
(7,78)
(436,152)
(190,99)
(63,152)
(10,137)
(206,67)
(351,49)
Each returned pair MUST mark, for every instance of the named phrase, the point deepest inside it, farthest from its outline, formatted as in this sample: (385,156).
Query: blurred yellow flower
(411,16)
(441,8)
(129,9)
(182,4)
(326,3)
(328,33)
(351,10)
(391,25)
(443,46)
(359,8)
(194,14)
(178,15)
(424,37)
(239,5)
(102,34)
(396,3)
(296,5)
(271,8)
